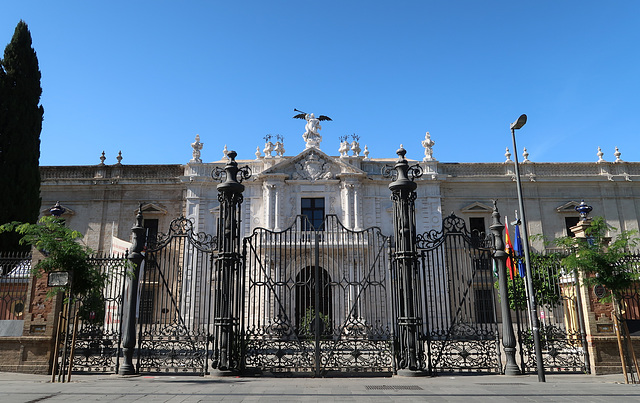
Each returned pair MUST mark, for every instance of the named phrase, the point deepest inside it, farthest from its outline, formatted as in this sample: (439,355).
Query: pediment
(477,207)
(569,207)
(67,211)
(150,208)
(312,165)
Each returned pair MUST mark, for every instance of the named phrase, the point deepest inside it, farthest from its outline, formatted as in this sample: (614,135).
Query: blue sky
(145,77)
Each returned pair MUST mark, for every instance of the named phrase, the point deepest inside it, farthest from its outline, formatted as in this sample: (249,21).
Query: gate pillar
(130,298)
(500,257)
(226,356)
(411,358)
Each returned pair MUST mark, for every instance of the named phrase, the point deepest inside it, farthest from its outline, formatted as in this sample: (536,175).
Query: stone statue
(355,147)
(279,149)
(197,146)
(268,149)
(344,147)
(312,129)
(428,144)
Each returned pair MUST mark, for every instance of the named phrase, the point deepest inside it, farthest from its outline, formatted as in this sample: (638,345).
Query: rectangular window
(313,209)
(477,229)
(151,229)
(571,222)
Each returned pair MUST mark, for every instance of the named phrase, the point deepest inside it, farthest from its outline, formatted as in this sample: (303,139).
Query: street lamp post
(531,302)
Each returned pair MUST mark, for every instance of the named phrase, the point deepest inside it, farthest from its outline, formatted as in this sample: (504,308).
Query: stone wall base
(605,356)
(28,354)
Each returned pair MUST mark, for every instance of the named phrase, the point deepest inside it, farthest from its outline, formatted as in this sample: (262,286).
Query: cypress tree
(20,126)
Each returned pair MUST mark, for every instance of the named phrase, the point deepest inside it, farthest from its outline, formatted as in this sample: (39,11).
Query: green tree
(546,272)
(603,261)
(62,252)
(20,126)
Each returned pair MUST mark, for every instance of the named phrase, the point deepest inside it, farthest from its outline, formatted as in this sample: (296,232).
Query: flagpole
(533,309)
(526,292)
(524,278)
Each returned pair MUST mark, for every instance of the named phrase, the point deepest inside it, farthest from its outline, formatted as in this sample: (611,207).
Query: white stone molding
(152,208)
(477,208)
(568,207)
(67,211)
(268,196)
(277,204)
(357,212)
(347,205)
(332,205)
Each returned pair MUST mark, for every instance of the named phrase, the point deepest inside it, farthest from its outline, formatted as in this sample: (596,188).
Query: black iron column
(131,295)
(500,258)
(225,357)
(411,360)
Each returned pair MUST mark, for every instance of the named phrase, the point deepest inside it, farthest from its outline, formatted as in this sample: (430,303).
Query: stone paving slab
(187,389)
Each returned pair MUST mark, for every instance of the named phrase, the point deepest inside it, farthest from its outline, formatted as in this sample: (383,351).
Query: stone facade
(101,200)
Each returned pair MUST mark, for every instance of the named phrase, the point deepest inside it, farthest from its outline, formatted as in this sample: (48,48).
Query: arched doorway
(305,308)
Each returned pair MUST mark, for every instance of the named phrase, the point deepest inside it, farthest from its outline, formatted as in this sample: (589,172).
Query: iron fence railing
(631,298)
(15,270)
(98,334)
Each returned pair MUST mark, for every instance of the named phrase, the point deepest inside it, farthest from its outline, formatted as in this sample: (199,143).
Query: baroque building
(101,201)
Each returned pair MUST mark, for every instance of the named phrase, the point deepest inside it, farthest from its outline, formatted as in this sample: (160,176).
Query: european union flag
(519,252)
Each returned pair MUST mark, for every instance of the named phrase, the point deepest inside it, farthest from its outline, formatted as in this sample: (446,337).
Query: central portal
(315,298)
(306,290)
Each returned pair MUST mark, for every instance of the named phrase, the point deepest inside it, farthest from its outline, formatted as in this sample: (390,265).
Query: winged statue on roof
(312,129)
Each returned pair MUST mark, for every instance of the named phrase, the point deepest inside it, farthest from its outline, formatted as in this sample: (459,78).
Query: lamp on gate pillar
(131,294)
(226,302)
(531,301)
(411,353)
(500,257)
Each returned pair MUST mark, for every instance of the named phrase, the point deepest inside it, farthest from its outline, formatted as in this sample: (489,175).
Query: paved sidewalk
(168,388)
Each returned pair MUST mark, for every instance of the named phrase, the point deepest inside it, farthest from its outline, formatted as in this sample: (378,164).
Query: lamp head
(519,123)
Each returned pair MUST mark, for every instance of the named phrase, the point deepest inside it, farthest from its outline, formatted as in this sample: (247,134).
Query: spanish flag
(509,249)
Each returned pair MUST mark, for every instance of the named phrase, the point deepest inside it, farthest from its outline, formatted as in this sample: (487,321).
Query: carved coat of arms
(312,168)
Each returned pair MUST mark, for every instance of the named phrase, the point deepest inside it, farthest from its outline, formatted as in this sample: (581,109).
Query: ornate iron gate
(97,339)
(563,339)
(175,309)
(456,287)
(316,300)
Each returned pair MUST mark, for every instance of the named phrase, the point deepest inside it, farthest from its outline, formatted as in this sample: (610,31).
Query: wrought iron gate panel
(456,280)
(334,274)
(175,308)
(561,340)
(97,339)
